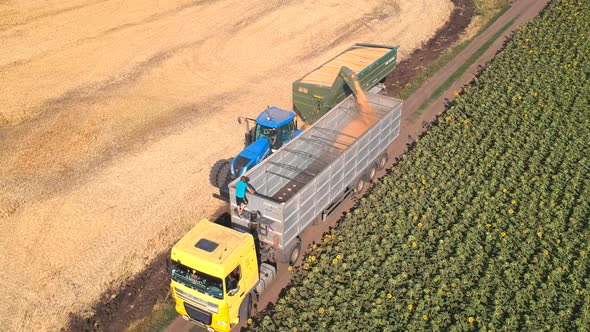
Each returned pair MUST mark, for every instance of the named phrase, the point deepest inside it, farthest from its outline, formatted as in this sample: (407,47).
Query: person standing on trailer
(241,188)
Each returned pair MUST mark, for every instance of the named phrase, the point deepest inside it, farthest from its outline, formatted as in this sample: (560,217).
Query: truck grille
(195,301)
(198,314)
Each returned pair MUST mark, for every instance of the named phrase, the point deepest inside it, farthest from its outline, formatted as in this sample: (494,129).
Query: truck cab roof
(274,117)
(210,245)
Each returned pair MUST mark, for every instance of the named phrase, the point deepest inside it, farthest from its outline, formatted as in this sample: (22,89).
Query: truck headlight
(221,323)
(213,307)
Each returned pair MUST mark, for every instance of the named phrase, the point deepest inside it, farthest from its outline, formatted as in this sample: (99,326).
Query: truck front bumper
(197,323)
(184,309)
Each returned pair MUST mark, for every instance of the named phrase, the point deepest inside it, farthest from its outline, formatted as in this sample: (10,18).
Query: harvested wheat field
(112,113)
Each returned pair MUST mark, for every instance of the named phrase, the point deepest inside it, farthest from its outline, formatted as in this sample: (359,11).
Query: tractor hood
(250,156)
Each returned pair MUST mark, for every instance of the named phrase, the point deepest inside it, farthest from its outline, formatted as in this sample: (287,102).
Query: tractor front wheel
(220,173)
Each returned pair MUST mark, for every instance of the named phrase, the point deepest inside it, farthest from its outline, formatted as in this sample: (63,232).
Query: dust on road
(114,111)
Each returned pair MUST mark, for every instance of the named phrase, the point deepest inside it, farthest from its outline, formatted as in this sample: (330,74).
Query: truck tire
(360,185)
(294,253)
(220,173)
(372,172)
(382,161)
(246,308)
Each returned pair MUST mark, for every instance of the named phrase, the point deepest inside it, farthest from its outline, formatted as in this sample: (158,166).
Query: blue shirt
(241,187)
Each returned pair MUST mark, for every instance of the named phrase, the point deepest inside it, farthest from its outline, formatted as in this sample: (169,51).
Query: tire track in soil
(259,13)
(150,19)
(379,13)
(51,112)
(28,20)
(135,300)
(136,140)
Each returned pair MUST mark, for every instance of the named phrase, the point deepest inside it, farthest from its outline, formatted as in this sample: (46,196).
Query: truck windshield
(196,280)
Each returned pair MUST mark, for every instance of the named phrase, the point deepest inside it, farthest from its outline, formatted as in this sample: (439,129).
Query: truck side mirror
(234,291)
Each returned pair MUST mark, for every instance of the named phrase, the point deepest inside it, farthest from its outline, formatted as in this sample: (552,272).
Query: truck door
(235,292)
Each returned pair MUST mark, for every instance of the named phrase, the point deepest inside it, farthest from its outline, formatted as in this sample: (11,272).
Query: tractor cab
(273,128)
(275,124)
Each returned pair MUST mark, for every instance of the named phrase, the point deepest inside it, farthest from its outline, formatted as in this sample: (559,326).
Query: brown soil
(132,301)
(450,33)
(129,304)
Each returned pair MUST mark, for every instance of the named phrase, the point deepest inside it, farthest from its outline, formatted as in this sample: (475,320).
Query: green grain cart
(321,89)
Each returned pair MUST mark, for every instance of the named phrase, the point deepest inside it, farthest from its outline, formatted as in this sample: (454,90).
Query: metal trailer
(309,176)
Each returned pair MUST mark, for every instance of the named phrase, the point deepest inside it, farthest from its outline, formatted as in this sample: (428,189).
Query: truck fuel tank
(267,275)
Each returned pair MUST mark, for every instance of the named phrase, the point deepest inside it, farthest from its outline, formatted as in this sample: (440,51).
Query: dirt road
(113,111)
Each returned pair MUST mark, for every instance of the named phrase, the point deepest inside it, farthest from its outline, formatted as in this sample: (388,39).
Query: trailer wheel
(372,172)
(382,161)
(360,185)
(295,252)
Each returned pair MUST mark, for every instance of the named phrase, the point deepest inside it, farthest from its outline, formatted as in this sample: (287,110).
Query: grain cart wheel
(220,173)
(295,252)
(382,161)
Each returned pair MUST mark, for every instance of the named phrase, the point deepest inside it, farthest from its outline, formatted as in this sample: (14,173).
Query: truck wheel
(372,172)
(246,308)
(250,306)
(382,161)
(360,185)
(294,254)
(220,173)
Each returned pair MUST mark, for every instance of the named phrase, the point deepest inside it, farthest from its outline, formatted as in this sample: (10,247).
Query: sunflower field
(484,224)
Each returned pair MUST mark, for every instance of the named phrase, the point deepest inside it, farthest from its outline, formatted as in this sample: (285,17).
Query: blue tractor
(272,128)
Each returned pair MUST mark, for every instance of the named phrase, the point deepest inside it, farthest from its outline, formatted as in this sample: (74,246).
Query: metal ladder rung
(285,177)
(333,131)
(321,142)
(291,168)
(326,141)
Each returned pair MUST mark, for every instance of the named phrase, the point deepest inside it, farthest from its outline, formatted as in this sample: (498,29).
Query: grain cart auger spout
(360,67)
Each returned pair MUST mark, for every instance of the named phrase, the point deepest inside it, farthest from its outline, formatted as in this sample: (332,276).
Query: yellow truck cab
(214,273)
